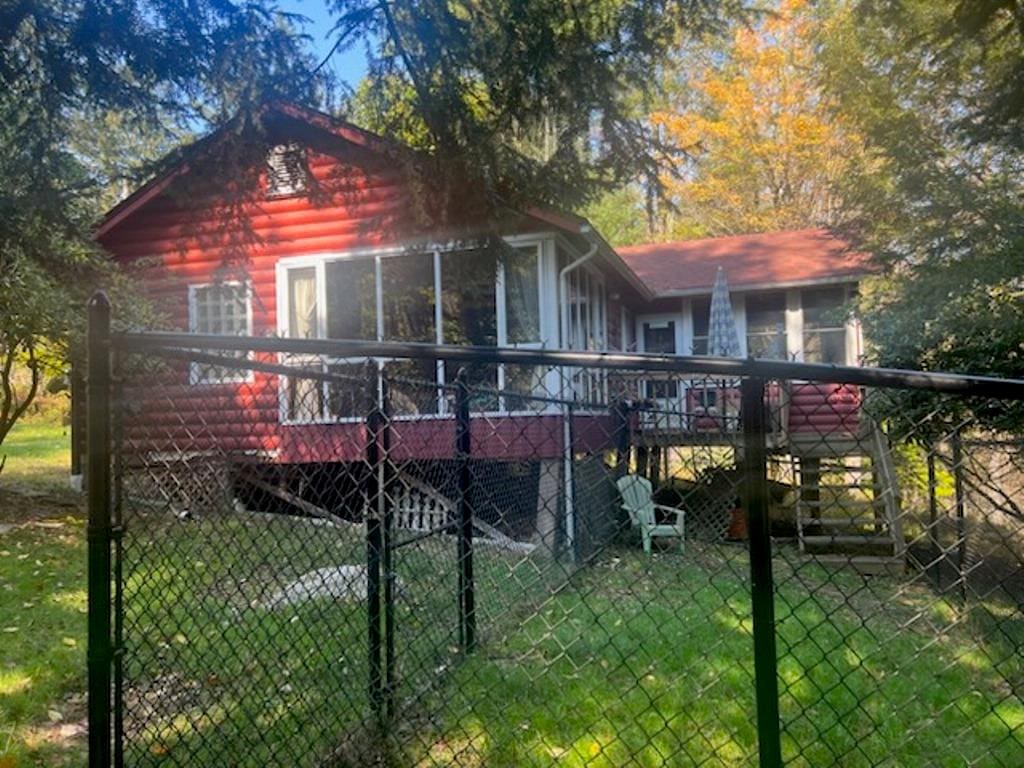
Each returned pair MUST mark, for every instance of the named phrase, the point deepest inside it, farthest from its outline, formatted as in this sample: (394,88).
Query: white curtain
(303,304)
(522,302)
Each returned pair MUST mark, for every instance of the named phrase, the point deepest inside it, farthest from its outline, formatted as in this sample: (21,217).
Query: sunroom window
(470,316)
(766,325)
(407,309)
(522,296)
(467,297)
(824,325)
(660,339)
(351,299)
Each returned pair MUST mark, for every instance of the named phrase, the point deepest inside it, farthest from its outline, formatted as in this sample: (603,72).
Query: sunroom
(492,294)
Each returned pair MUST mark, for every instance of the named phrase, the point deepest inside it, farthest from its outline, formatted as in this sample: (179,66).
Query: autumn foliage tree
(759,147)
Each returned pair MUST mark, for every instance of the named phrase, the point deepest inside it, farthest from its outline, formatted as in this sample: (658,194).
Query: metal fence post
(387,565)
(755,502)
(374,421)
(98,531)
(463,445)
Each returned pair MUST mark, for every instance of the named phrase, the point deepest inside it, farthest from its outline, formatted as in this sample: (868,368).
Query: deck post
(754,493)
(374,540)
(99,656)
(463,446)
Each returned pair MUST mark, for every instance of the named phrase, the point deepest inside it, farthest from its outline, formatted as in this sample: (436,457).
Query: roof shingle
(796,257)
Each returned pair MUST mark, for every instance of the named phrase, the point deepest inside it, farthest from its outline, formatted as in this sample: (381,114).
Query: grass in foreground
(42,632)
(632,661)
(650,664)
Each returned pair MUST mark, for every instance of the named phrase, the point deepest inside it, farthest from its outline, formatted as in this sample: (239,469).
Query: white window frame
(844,327)
(319,261)
(195,372)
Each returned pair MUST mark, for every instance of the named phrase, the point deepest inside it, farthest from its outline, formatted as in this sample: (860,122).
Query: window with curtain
(304,396)
(522,296)
(824,325)
(302,321)
(766,325)
(522,326)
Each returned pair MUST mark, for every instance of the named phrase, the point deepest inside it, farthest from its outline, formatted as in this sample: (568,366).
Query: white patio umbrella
(723,341)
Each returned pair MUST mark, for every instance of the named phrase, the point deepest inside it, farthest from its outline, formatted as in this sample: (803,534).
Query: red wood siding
(825,409)
(176,244)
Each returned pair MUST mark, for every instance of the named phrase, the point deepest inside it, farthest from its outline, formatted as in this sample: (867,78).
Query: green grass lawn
(38,455)
(42,632)
(627,661)
(42,601)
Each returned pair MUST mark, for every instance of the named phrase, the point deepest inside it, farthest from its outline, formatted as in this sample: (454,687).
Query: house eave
(852,277)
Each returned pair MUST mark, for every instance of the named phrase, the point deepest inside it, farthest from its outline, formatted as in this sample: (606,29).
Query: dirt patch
(22,505)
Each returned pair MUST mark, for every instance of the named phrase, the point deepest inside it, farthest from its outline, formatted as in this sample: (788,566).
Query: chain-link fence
(344,554)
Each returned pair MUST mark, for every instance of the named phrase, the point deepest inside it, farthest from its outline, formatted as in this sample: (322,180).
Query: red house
(318,240)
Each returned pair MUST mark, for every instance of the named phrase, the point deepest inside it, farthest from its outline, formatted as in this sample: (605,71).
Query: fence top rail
(952,383)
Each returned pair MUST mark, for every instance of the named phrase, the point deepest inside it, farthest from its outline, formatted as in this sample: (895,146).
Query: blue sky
(349,66)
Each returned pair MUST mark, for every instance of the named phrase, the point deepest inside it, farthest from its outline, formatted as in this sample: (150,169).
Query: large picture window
(522,296)
(351,299)
(478,296)
(222,309)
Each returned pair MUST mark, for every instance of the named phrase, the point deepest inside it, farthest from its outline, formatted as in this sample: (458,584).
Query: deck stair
(847,508)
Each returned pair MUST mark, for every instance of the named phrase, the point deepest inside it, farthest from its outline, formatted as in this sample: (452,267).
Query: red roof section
(796,257)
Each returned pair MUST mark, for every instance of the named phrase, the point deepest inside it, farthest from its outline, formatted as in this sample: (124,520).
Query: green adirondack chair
(637,501)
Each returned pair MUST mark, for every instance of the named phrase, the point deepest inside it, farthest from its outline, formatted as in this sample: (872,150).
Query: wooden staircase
(847,508)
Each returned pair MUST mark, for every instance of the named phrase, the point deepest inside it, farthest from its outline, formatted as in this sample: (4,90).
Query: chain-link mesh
(352,562)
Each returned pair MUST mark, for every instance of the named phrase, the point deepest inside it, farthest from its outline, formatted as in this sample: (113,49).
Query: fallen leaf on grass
(70,642)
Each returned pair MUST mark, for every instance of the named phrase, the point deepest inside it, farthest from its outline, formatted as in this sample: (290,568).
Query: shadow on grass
(42,630)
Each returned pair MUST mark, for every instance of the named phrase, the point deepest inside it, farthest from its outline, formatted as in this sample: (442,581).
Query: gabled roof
(179,163)
(767,260)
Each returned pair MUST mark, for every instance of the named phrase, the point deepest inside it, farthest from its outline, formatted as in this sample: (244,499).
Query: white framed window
(434,295)
(521,318)
(587,329)
(824,324)
(659,338)
(223,309)
(766,325)
(700,309)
